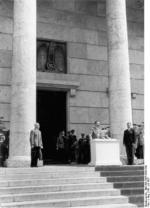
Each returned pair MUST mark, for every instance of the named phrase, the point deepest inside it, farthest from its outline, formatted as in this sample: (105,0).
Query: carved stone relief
(51,56)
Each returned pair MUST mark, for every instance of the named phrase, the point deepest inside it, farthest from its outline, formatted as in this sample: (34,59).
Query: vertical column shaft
(23,96)
(119,73)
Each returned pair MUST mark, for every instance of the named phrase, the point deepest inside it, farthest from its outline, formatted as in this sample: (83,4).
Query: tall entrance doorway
(51,114)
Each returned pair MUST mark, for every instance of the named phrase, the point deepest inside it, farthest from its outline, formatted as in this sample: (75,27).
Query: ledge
(57,81)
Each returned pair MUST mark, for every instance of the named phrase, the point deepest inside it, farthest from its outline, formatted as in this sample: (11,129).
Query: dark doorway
(51,114)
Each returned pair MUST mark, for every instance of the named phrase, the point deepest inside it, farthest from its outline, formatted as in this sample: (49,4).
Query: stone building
(67,63)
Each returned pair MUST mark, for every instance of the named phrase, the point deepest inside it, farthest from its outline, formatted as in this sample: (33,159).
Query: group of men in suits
(70,149)
(65,146)
(133,140)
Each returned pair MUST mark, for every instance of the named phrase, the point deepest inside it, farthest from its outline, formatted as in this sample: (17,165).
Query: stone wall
(82,25)
(6,29)
(136,54)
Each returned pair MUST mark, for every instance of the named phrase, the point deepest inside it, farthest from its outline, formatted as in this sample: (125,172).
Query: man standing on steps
(36,144)
(141,142)
(129,142)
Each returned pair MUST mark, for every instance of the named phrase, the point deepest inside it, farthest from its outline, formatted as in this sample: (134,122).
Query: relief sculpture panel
(51,56)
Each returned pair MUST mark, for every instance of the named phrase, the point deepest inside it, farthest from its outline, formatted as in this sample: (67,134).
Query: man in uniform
(36,144)
(129,142)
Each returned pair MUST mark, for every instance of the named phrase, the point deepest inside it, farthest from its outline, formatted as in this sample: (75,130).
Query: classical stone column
(23,95)
(119,73)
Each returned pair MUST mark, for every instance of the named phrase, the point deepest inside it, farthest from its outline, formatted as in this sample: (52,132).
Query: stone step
(133,184)
(141,205)
(58,195)
(125,178)
(51,168)
(50,175)
(128,205)
(67,186)
(85,201)
(62,187)
(50,188)
(137,199)
(132,191)
(122,173)
(34,182)
(119,168)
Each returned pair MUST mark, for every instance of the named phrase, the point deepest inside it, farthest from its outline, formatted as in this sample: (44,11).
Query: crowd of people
(73,150)
(70,149)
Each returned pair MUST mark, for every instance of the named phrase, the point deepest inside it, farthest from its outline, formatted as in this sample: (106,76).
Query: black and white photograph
(74,78)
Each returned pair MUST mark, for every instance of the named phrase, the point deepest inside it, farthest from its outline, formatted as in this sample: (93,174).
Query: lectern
(105,152)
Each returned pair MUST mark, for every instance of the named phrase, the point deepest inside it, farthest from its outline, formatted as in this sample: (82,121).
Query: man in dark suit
(72,143)
(141,142)
(129,142)
(36,145)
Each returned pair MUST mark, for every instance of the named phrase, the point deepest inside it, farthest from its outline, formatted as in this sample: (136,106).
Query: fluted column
(23,96)
(119,73)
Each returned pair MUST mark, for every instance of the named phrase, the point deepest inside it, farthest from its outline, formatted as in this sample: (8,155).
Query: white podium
(105,152)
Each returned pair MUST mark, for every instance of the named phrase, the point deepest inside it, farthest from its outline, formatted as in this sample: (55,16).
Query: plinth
(105,152)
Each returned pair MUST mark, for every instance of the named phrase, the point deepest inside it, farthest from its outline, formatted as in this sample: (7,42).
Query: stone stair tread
(138,172)
(137,195)
(48,175)
(127,182)
(46,169)
(137,199)
(62,185)
(41,181)
(9,180)
(124,182)
(110,206)
(132,188)
(62,200)
(69,185)
(119,167)
(141,205)
(63,192)
(48,172)
(124,176)
(120,171)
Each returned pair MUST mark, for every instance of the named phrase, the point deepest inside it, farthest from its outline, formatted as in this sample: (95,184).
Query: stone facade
(82,25)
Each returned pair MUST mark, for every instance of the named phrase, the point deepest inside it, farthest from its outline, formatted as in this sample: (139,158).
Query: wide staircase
(72,186)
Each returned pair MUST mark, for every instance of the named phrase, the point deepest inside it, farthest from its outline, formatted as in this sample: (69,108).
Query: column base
(18,162)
